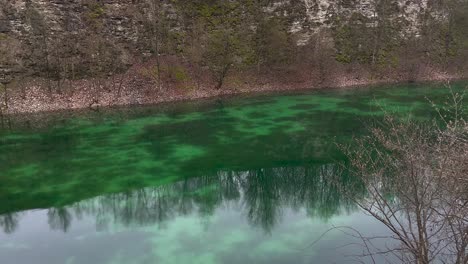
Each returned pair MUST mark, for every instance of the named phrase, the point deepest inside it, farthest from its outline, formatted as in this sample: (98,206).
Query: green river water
(229,180)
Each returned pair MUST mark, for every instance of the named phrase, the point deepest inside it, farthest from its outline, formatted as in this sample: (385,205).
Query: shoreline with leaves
(138,87)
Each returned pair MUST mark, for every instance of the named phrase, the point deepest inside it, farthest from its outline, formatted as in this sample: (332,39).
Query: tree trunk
(46,57)
(222,76)
(226,64)
(1,116)
(158,66)
(6,95)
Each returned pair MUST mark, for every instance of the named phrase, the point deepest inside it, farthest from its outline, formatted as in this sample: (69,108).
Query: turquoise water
(231,180)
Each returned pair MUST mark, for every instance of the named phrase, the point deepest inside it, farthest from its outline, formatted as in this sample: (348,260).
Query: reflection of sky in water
(224,237)
(262,216)
(244,180)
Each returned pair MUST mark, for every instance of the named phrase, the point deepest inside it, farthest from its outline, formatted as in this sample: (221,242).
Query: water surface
(230,180)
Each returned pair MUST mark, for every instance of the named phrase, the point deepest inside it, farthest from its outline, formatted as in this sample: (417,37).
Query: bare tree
(156,20)
(10,51)
(415,177)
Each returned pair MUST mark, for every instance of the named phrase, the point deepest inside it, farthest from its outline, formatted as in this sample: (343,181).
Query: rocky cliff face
(321,10)
(20,16)
(110,52)
(321,13)
(75,39)
(122,22)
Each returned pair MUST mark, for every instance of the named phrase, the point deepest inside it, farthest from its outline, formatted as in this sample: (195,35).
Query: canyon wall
(151,48)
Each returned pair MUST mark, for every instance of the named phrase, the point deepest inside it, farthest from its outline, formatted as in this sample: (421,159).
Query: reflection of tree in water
(260,194)
(59,219)
(9,222)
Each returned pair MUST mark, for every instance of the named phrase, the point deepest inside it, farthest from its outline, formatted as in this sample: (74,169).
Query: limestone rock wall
(28,26)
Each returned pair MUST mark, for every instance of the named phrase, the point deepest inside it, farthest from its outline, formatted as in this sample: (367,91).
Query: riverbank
(134,88)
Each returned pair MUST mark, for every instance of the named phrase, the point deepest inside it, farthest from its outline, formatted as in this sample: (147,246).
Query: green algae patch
(186,152)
